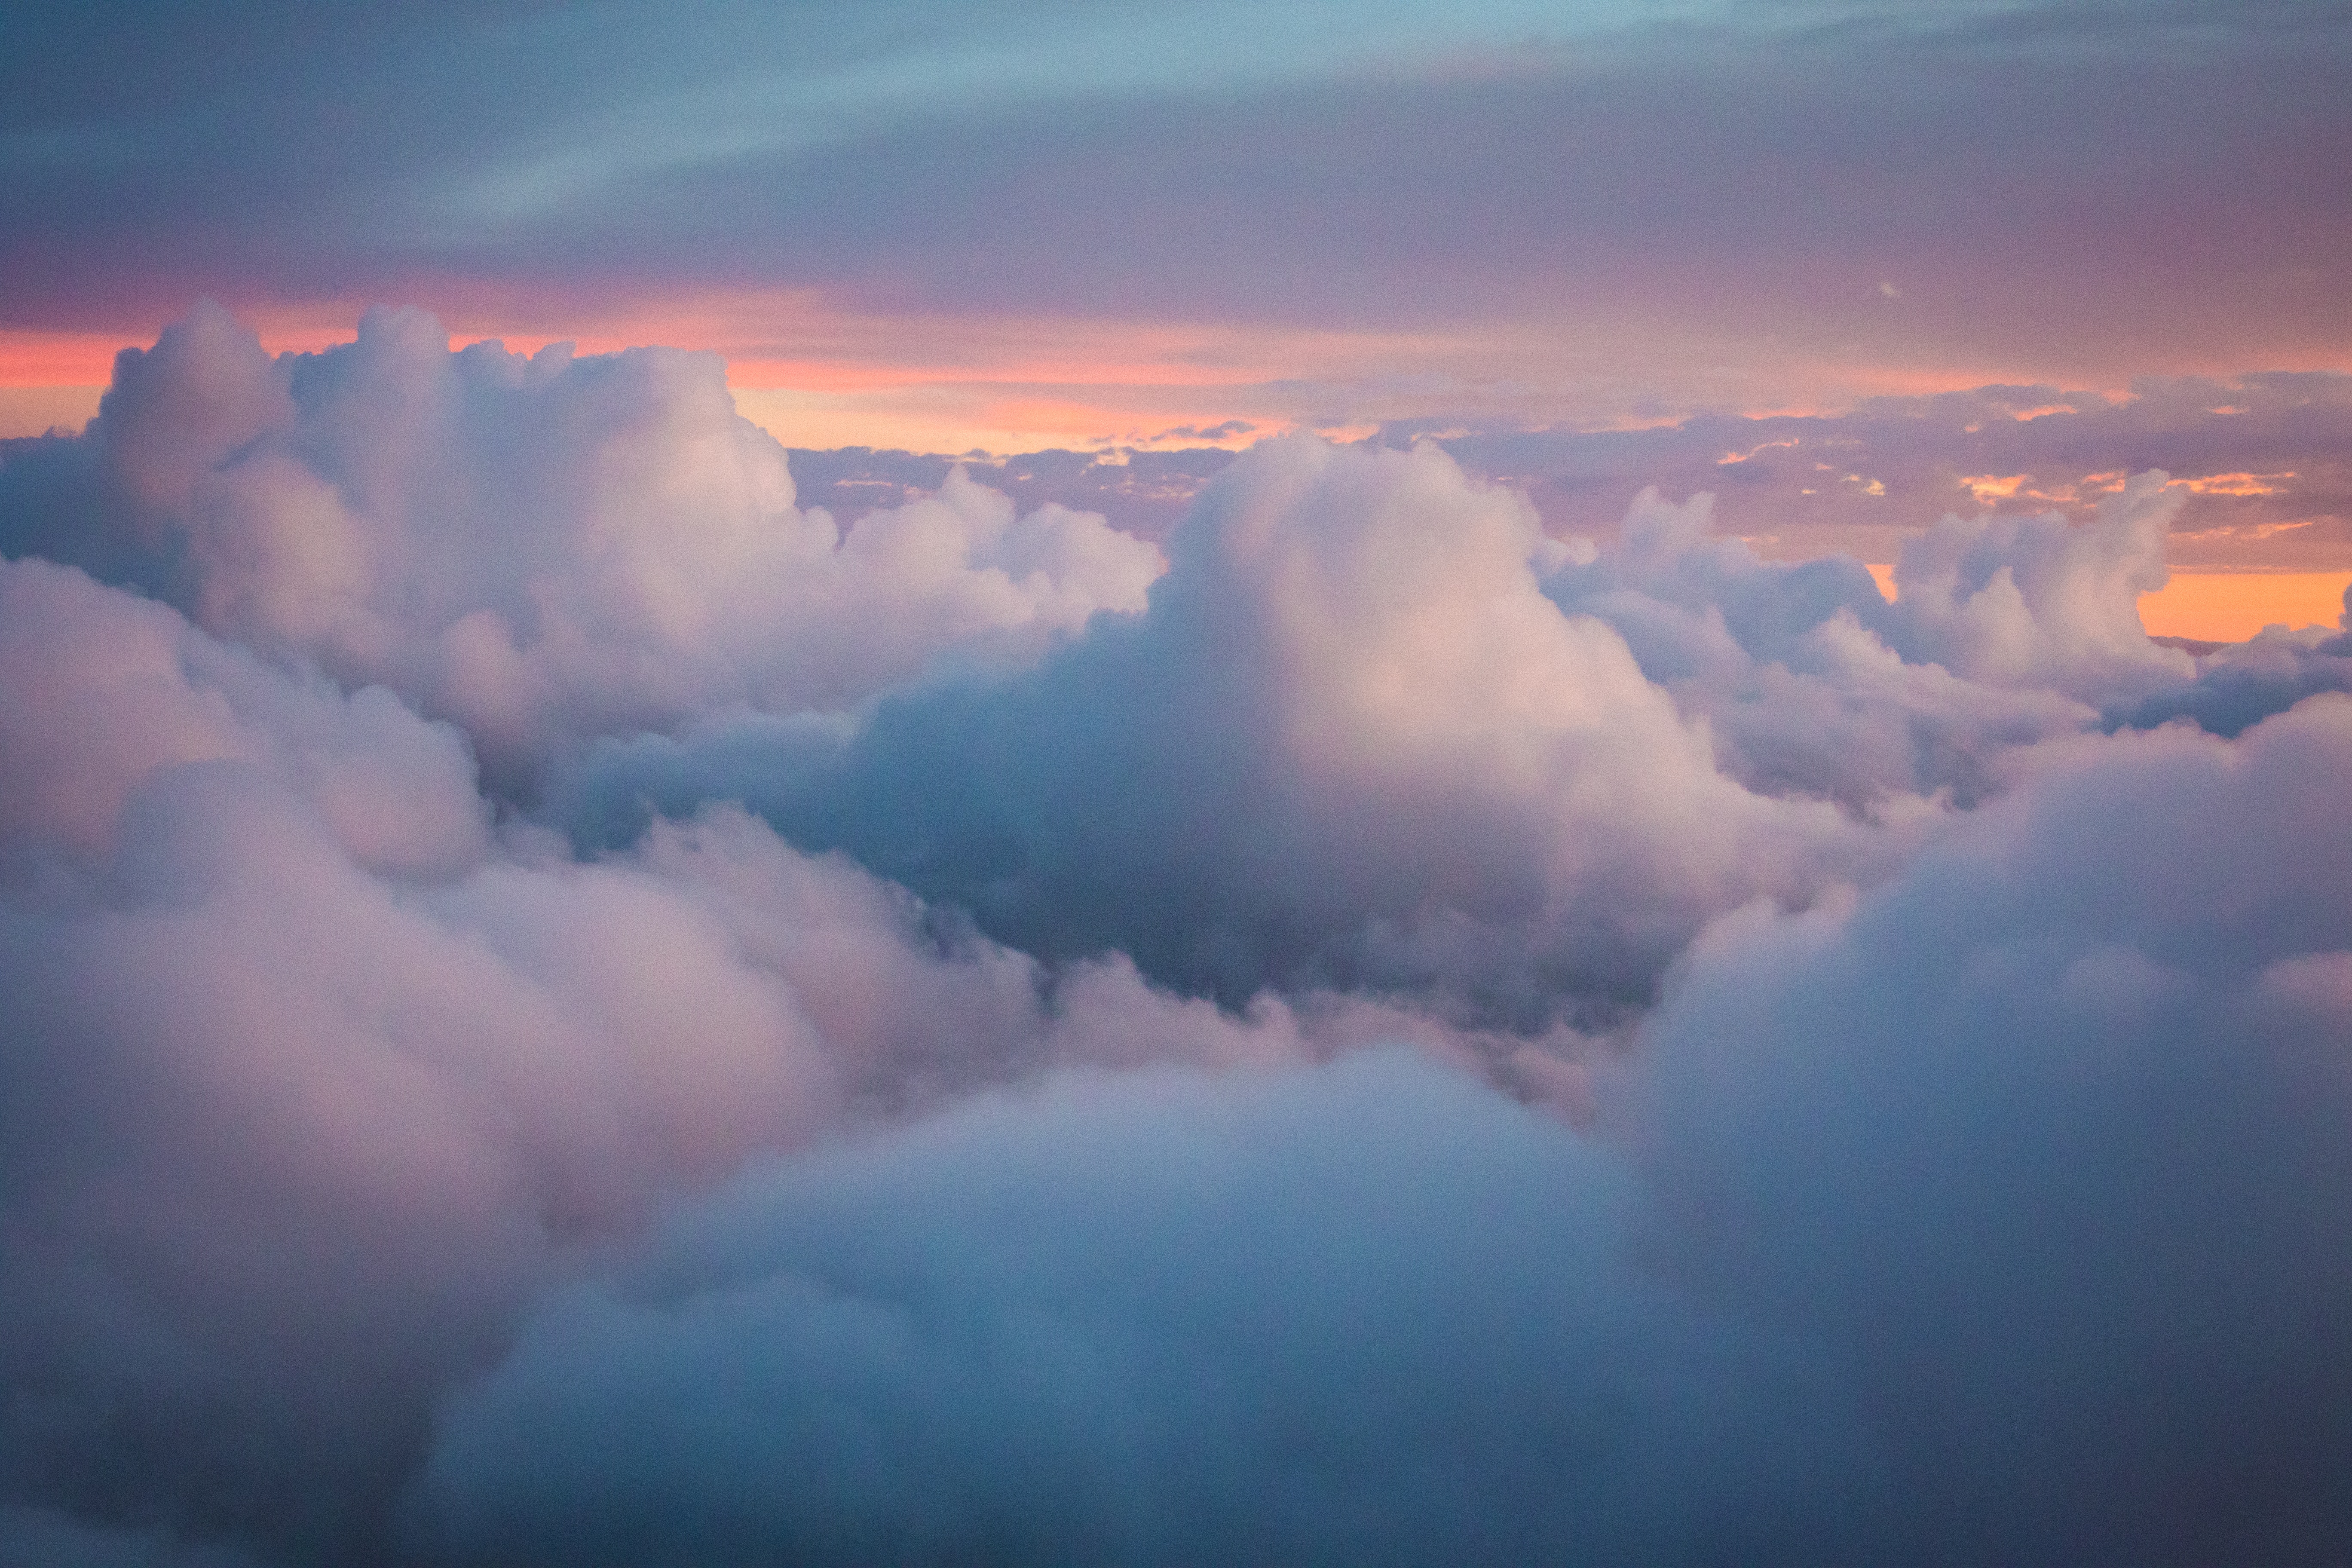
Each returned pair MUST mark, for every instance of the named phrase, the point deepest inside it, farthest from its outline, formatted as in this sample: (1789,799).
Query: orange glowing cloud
(2238,484)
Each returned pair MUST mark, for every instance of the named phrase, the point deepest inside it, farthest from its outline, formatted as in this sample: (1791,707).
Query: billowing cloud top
(565,1008)
(538,548)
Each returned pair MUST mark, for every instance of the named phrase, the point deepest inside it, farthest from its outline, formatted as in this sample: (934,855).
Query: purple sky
(1311,782)
(1020,227)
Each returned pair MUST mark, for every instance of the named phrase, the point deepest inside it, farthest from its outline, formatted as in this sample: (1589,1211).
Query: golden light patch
(2237,484)
(2230,607)
(2225,607)
(1730,458)
(1990,488)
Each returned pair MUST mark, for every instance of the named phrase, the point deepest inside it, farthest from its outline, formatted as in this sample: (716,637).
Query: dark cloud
(2049,1135)
(1156,1321)
(2245,683)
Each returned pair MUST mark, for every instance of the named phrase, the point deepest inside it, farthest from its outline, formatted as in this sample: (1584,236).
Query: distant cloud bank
(2260,456)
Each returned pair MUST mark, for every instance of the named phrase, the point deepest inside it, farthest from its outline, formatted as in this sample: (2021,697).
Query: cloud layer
(2258,458)
(1154,1319)
(539,549)
(565,1008)
(2049,1135)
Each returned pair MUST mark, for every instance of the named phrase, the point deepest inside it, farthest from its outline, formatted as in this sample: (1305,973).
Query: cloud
(99,692)
(1376,729)
(2258,458)
(312,1078)
(2048,1135)
(2035,602)
(537,549)
(1995,1216)
(1156,1319)
(1410,1038)
(1139,492)
(1812,684)
(1349,742)
(2249,681)
(32,1538)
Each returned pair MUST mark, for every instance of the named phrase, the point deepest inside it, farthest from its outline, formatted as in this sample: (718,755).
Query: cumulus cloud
(2049,1134)
(1152,1319)
(2258,457)
(563,1008)
(99,692)
(1145,493)
(1995,1217)
(1378,728)
(538,549)
(1801,671)
(2246,682)
(311,1076)
(1350,742)
(2038,601)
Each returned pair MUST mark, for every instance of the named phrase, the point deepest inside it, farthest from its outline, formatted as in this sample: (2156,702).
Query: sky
(1104,226)
(1390,784)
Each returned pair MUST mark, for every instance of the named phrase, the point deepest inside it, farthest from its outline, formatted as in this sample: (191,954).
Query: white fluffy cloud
(312,1078)
(545,548)
(1352,740)
(2247,682)
(1377,729)
(1996,1216)
(877,1071)
(99,692)
(1810,683)
(2043,603)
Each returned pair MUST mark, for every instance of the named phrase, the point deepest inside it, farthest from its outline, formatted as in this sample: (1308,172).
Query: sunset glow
(2232,607)
(2226,606)
(1354,783)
